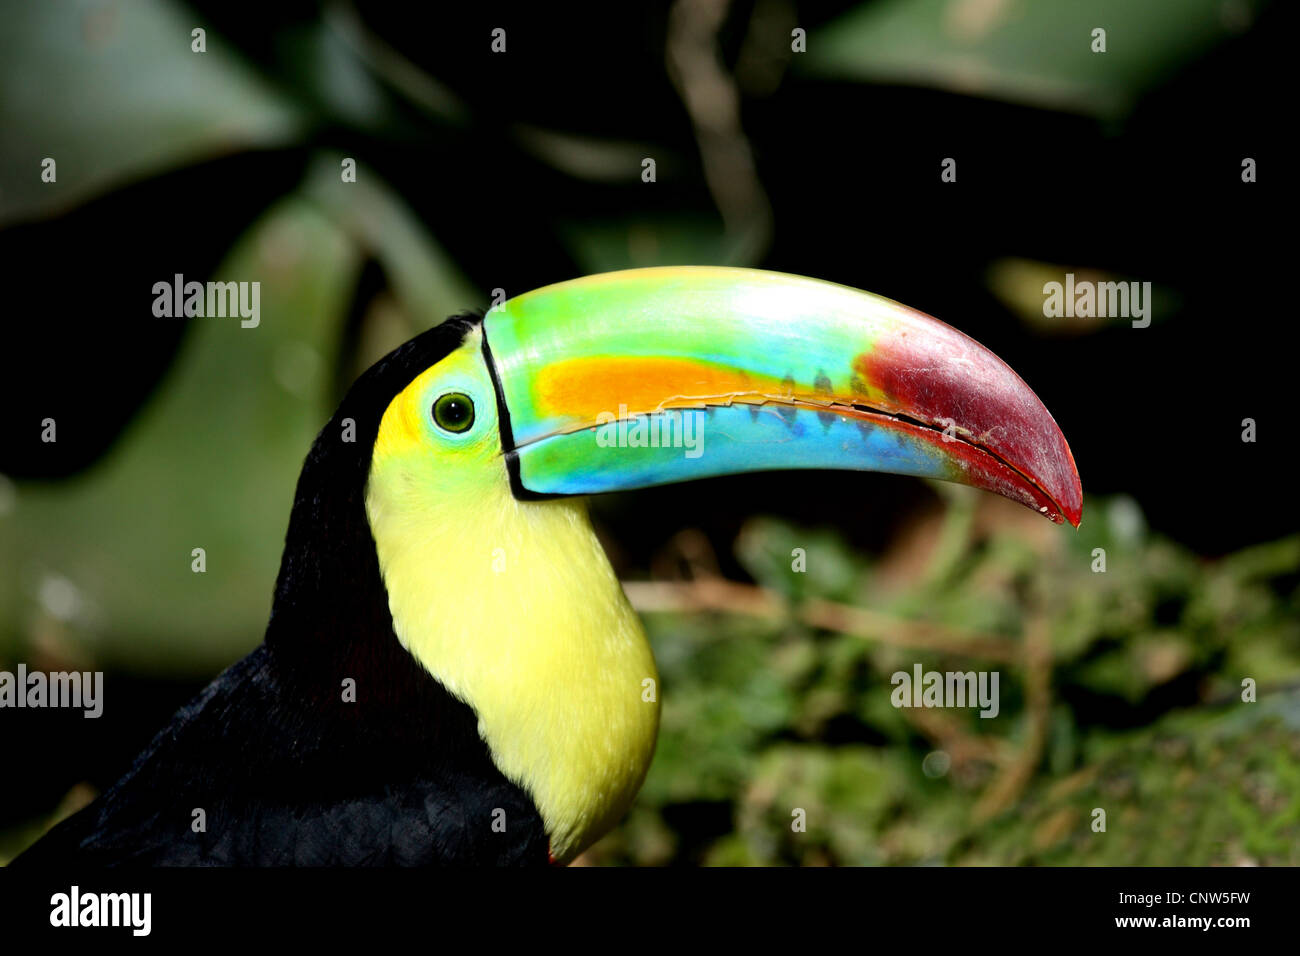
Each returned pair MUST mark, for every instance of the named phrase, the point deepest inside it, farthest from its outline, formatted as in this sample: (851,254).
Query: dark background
(523,168)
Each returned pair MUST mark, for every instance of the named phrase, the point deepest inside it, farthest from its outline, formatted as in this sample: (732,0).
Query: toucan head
(457,468)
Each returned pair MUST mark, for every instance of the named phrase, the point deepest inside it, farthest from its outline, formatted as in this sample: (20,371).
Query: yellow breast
(514,608)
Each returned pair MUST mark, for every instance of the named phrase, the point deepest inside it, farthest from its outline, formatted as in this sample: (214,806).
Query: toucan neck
(513,606)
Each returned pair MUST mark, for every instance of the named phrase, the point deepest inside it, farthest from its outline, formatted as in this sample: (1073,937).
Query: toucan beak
(652,376)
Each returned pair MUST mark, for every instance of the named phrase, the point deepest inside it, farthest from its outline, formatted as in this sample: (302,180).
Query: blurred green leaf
(1035,52)
(113,93)
(211,463)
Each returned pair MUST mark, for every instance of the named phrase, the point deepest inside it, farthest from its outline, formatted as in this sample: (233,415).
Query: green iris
(454,412)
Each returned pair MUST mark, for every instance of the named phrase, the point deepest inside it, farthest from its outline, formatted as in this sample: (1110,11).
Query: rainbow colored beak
(653,376)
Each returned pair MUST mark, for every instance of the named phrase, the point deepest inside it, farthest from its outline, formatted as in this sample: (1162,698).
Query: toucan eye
(454,412)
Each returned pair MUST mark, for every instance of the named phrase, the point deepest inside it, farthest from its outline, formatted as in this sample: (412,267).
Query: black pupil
(454,412)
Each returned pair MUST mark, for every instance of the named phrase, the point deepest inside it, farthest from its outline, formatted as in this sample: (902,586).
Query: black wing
(286,773)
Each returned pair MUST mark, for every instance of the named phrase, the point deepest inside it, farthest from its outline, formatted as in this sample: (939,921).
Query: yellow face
(444,426)
(511,605)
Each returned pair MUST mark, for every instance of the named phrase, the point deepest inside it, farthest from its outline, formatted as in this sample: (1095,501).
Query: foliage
(1146,722)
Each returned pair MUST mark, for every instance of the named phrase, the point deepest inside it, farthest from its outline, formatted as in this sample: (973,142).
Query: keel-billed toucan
(439,555)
